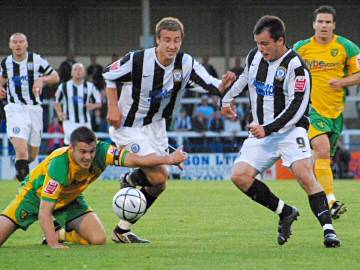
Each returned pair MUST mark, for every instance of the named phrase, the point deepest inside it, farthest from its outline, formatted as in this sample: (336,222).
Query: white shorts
(143,141)
(69,127)
(262,153)
(25,122)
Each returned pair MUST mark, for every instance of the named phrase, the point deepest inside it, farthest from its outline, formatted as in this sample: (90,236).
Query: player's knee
(158,178)
(99,239)
(322,151)
(240,179)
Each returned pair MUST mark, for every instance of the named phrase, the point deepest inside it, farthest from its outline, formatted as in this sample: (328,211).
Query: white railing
(179,136)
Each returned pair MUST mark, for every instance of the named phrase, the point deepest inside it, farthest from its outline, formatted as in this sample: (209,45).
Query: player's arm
(52,78)
(117,72)
(47,225)
(50,193)
(2,88)
(351,80)
(59,96)
(122,157)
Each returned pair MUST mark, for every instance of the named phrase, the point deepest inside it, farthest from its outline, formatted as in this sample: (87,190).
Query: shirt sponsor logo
(263,89)
(17,80)
(51,187)
(156,95)
(115,66)
(300,84)
(321,65)
(280,73)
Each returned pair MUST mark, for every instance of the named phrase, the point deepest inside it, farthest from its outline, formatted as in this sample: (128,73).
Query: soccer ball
(129,204)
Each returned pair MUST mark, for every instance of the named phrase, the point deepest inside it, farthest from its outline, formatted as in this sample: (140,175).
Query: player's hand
(58,246)
(229,112)
(2,92)
(257,131)
(336,84)
(227,79)
(37,87)
(114,116)
(62,116)
(178,157)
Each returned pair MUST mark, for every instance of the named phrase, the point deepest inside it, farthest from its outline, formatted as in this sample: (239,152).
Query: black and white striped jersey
(21,76)
(74,98)
(151,91)
(279,91)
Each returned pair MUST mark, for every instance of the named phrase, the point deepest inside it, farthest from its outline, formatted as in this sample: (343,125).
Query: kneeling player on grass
(55,186)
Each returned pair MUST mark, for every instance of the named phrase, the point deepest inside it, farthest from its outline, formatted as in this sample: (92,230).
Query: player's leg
(7,227)
(33,152)
(21,158)
(296,154)
(256,156)
(324,134)
(89,228)
(153,183)
(79,224)
(302,170)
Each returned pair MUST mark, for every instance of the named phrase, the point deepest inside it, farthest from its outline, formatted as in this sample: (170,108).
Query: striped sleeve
(119,71)
(44,67)
(95,94)
(200,76)
(299,88)
(59,94)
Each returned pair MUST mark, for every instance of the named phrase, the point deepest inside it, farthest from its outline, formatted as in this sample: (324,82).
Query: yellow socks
(71,237)
(325,177)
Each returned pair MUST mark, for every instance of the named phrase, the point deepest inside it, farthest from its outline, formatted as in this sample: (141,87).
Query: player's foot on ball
(284,228)
(124,181)
(127,238)
(331,240)
(337,209)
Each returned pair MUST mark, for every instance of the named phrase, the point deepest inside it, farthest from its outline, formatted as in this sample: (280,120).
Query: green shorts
(24,210)
(322,125)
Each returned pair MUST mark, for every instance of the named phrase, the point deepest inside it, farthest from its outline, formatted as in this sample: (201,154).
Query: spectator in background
(65,67)
(200,122)
(357,103)
(237,68)
(54,143)
(99,124)
(183,121)
(205,109)
(216,123)
(94,73)
(209,68)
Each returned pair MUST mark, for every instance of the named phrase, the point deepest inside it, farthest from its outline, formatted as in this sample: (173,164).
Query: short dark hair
(170,24)
(82,134)
(274,25)
(325,9)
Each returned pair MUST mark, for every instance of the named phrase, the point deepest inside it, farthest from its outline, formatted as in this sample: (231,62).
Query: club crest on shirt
(300,84)
(51,187)
(30,66)
(280,73)
(177,75)
(23,214)
(334,52)
(135,148)
(16,130)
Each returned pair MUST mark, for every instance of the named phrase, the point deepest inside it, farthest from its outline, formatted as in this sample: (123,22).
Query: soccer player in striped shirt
(334,62)
(74,100)
(54,189)
(25,74)
(279,87)
(153,82)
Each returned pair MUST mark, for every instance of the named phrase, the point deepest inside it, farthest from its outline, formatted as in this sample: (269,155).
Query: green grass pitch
(199,225)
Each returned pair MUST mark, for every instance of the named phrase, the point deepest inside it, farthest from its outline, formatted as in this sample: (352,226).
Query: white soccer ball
(129,204)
